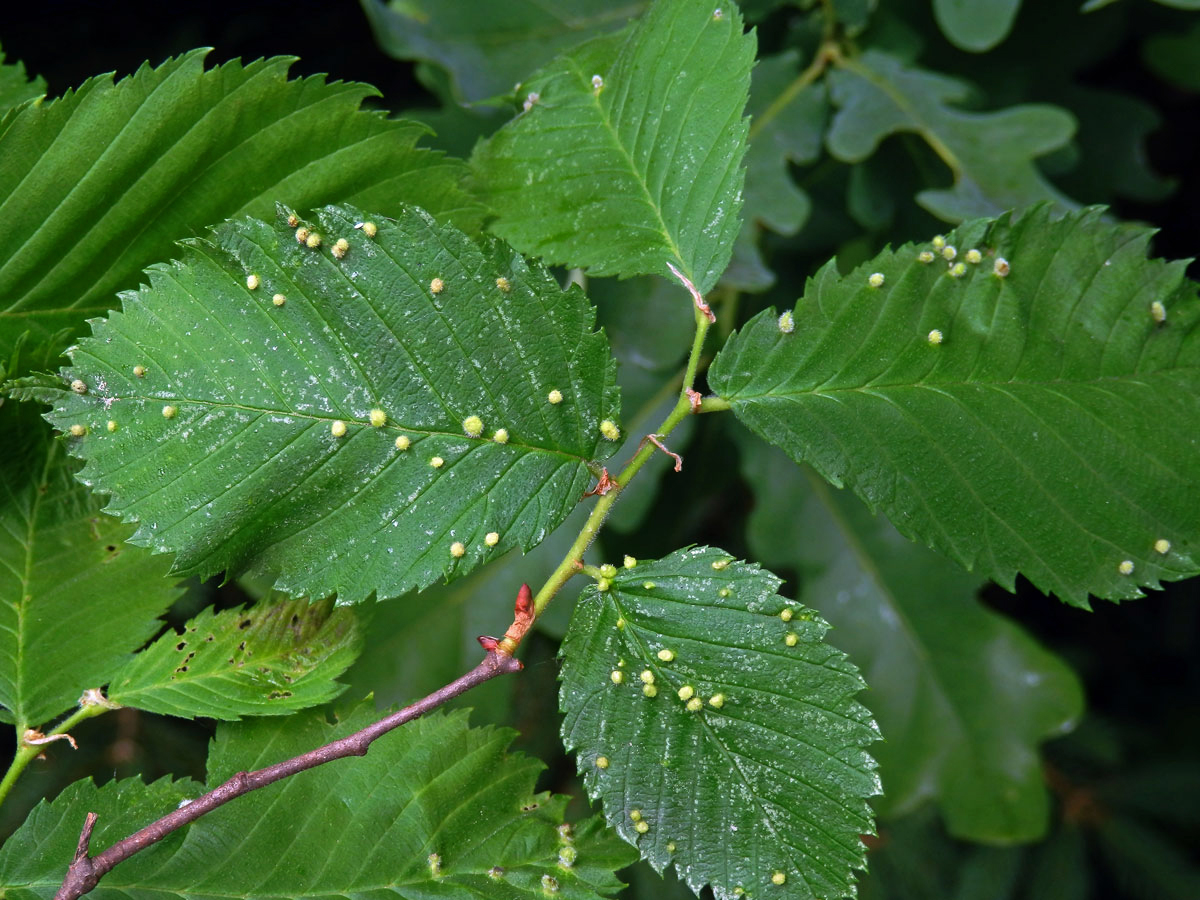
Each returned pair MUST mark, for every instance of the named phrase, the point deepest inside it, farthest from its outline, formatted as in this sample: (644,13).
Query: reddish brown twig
(653,438)
(86,871)
(697,297)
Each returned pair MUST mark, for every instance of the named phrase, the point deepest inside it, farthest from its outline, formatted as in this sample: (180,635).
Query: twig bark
(86,871)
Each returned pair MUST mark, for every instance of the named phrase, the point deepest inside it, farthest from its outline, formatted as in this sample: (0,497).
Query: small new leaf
(435,809)
(1049,429)
(748,758)
(265,660)
(251,470)
(640,168)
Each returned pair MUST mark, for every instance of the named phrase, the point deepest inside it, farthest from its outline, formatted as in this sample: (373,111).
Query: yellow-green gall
(875,280)
(313,241)
(436,461)
(621,624)
(78,386)
(378,418)
(603,584)
(503,284)
(78,430)
(253,281)
(724,592)
(555,397)
(949,252)
(938,242)
(649,690)
(435,865)
(139,371)
(716,701)
(370,229)
(1001,268)
(649,585)
(694,704)
(671,844)
(791,639)
(302,234)
(1126,567)
(686,692)
(617,676)
(608,570)
(786,614)
(549,884)
(492,538)
(111,426)
(279,299)
(457,550)
(601,762)
(935,337)
(1162,545)
(338,428)
(293,220)
(635,815)
(501,436)
(647,676)
(721,564)
(436,286)
(641,827)
(169,411)
(778,877)
(403,442)
(567,856)
(786,322)
(340,248)
(1158,312)
(925,256)
(472,426)
(973,256)
(958,270)
(609,429)
(629,562)
(666,655)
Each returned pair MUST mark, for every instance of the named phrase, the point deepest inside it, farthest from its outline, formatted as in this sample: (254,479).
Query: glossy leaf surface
(263,437)
(265,660)
(75,599)
(989,154)
(629,156)
(100,183)
(1051,431)
(963,694)
(719,730)
(349,828)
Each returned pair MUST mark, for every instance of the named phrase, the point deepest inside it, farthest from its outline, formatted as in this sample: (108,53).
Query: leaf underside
(639,169)
(354,827)
(1051,432)
(75,600)
(418,325)
(266,660)
(963,694)
(760,787)
(99,184)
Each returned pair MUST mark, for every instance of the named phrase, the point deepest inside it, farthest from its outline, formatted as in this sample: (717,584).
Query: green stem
(573,561)
(713,404)
(27,753)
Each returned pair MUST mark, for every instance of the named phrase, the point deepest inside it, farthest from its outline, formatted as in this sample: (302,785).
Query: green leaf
(974,25)
(1049,433)
(15,86)
(249,473)
(1172,56)
(990,155)
(963,694)
(763,778)
(102,182)
(487,54)
(351,827)
(641,168)
(75,600)
(267,660)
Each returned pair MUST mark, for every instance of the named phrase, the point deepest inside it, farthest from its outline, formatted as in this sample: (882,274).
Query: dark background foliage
(1133,758)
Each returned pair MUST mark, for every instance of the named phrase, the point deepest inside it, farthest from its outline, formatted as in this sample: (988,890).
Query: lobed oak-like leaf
(629,154)
(990,155)
(100,183)
(719,729)
(1042,423)
(75,599)
(963,693)
(266,660)
(436,809)
(360,421)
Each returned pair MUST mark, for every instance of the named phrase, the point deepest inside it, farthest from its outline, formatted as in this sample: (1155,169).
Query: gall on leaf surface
(719,729)
(75,599)
(323,438)
(270,659)
(1043,422)
(629,155)
(364,826)
(101,182)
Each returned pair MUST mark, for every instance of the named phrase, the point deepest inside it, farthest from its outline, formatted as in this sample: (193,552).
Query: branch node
(695,398)
(603,485)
